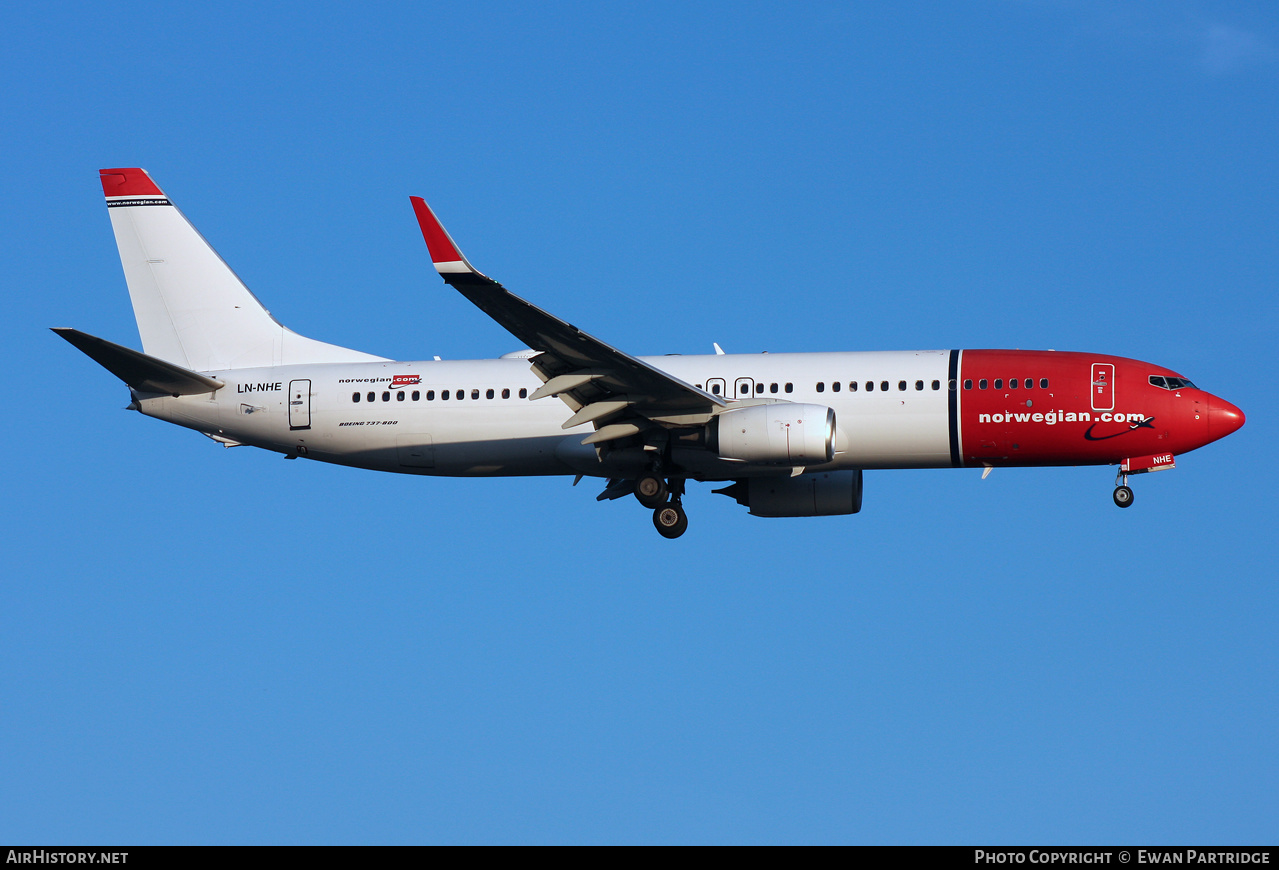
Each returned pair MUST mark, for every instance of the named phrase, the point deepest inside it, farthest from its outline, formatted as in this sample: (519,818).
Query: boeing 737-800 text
(789,433)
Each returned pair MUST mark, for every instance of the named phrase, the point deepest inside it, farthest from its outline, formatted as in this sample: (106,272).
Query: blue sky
(218,646)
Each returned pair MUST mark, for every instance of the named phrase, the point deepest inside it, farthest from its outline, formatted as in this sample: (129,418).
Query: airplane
(789,434)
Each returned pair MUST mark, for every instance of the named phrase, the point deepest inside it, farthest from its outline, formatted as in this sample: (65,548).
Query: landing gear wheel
(651,491)
(1123,496)
(670,520)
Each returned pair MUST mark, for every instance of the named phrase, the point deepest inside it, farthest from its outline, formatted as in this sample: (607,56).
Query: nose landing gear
(1123,493)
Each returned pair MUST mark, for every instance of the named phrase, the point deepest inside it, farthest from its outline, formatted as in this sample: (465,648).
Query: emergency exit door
(300,404)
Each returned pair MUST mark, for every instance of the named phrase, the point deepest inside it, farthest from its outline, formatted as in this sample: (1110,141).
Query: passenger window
(901,385)
(372,396)
(983,384)
(430,395)
(523,393)
(821,386)
(489,394)
(759,388)
(1012,383)
(834,387)
(355,397)
(715,389)
(506,393)
(870,386)
(852,386)
(475,394)
(999,383)
(919,385)
(1043,383)
(883,386)
(968,383)
(772,388)
(444,395)
(417,395)
(790,388)
(937,385)
(386,396)
(399,397)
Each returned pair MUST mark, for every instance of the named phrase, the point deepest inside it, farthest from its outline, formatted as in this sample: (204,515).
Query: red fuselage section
(1049,408)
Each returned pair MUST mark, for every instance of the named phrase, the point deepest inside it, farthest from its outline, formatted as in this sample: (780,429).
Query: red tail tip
(128,182)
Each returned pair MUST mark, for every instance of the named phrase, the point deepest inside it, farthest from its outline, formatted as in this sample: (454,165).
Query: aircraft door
(1103,387)
(715,386)
(744,388)
(300,404)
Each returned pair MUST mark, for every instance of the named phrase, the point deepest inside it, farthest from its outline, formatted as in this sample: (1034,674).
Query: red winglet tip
(128,182)
(437,240)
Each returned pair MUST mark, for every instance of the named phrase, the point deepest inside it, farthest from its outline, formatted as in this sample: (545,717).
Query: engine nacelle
(783,433)
(819,494)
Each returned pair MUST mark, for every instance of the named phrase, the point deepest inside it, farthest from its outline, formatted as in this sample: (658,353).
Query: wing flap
(564,383)
(600,410)
(613,432)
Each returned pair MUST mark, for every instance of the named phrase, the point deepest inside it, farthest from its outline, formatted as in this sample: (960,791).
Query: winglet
(445,255)
(128,182)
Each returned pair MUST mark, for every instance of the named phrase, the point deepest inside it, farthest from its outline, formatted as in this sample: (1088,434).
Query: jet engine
(783,433)
(819,494)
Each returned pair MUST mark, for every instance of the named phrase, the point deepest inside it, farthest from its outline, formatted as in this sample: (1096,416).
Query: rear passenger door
(300,404)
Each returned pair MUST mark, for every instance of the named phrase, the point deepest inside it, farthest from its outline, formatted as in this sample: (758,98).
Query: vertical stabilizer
(191,308)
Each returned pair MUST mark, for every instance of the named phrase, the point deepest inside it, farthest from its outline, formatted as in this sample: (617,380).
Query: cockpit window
(1170,383)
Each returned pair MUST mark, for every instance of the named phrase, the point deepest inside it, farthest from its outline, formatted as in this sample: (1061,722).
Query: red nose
(1223,418)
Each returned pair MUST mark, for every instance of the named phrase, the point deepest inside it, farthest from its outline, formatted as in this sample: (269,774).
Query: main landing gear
(1123,493)
(670,520)
(651,491)
(665,499)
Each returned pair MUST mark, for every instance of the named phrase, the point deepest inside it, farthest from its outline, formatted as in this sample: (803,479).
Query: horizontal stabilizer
(146,374)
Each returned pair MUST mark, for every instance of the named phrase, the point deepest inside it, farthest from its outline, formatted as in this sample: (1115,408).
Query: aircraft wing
(620,394)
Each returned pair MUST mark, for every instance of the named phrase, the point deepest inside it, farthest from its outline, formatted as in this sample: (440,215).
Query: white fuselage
(312,411)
